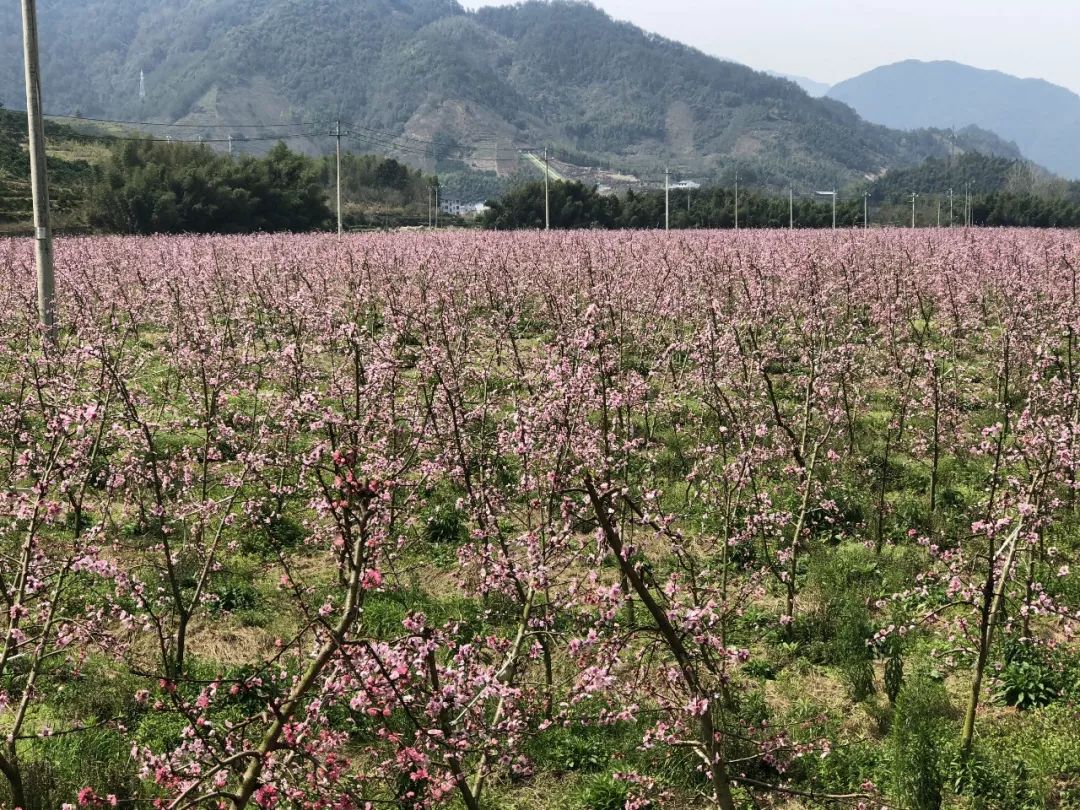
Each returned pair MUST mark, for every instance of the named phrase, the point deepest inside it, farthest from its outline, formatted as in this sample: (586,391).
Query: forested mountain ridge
(470,88)
(1042,118)
(979,174)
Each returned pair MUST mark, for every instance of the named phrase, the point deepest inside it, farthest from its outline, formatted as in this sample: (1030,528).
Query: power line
(178,125)
(423,141)
(443,152)
(195,141)
(392,142)
(403,143)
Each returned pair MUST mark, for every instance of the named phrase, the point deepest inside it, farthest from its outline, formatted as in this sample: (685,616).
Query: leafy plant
(604,793)
(1026,684)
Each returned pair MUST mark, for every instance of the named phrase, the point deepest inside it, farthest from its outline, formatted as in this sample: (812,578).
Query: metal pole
(39,176)
(337,134)
(736,201)
(547,199)
(667,199)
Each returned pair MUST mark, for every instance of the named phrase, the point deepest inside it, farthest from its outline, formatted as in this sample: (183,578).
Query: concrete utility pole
(914,196)
(866,210)
(939,213)
(39,176)
(667,199)
(436,205)
(791,208)
(547,196)
(429,206)
(736,200)
(950,207)
(337,136)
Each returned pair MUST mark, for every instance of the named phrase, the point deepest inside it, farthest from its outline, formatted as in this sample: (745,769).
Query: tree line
(574,205)
(140,186)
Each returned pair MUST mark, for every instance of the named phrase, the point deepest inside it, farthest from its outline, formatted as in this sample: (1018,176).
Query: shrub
(604,792)
(54,770)
(915,742)
(578,750)
(1026,684)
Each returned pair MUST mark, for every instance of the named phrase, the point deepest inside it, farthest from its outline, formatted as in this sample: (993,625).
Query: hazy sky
(831,40)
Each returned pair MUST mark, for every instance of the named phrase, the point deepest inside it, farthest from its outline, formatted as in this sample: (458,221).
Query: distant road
(538,162)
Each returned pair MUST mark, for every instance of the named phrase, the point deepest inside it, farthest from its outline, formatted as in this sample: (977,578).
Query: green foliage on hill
(562,73)
(69,173)
(143,186)
(149,187)
(985,174)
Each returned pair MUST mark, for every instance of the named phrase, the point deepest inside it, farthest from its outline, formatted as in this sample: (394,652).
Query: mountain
(974,172)
(1043,119)
(812,88)
(450,89)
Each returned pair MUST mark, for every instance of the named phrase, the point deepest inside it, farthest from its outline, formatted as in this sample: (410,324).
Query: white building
(458,208)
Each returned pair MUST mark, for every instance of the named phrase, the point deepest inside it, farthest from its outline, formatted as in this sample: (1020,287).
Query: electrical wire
(407,144)
(195,141)
(58,116)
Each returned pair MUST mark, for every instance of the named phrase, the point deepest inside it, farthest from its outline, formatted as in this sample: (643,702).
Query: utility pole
(939,213)
(230,146)
(337,136)
(791,208)
(736,199)
(547,197)
(436,205)
(429,205)
(950,207)
(967,204)
(667,199)
(39,175)
(866,210)
(913,197)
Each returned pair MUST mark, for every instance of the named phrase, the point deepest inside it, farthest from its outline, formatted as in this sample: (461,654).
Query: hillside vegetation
(129,184)
(466,89)
(70,162)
